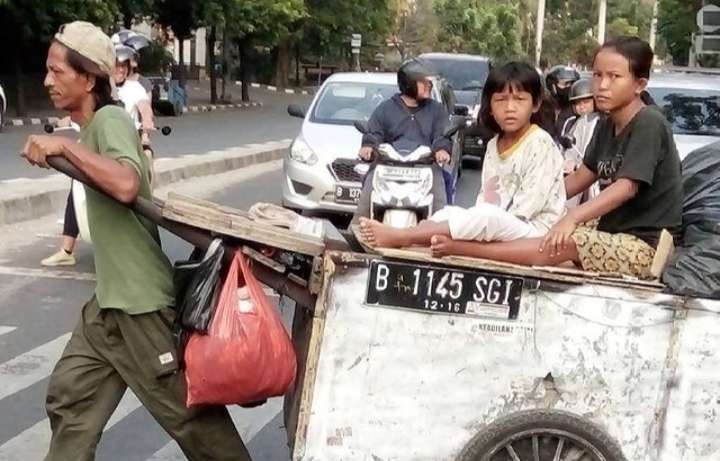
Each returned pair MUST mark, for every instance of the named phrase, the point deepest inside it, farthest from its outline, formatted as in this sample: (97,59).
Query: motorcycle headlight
(301,152)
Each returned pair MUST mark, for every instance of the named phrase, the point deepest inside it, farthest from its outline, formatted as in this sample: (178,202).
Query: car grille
(343,170)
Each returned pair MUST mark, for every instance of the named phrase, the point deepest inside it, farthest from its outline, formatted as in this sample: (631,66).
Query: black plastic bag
(695,269)
(197,287)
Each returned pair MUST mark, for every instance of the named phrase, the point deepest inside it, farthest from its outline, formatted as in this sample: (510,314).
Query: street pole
(653,25)
(539,27)
(602,18)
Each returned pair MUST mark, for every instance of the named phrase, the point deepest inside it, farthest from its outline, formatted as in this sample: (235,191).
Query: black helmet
(412,71)
(582,89)
(555,75)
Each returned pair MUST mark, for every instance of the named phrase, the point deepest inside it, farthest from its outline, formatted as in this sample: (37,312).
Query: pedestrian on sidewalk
(123,338)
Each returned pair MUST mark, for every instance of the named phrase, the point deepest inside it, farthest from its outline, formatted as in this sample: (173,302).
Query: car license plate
(350,195)
(443,291)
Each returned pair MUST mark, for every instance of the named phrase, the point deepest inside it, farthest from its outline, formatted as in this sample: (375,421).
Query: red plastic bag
(246,355)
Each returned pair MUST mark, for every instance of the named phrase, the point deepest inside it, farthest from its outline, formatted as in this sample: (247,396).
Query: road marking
(33,442)
(14,180)
(4,329)
(26,369)
(247,421)
(47,273)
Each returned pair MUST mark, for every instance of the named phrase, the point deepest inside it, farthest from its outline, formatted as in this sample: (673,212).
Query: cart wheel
(536,435)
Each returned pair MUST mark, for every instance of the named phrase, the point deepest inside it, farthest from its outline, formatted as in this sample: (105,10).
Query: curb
(26,199)
(214,107)
(276,89)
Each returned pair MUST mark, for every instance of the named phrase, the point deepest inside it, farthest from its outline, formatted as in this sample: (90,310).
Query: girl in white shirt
(523,193)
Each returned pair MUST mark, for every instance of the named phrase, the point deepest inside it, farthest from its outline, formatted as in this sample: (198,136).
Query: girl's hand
(559,237)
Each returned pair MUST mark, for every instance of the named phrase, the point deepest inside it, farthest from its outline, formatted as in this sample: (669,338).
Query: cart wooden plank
(235,223)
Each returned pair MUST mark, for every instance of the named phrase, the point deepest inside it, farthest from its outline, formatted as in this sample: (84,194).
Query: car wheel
(542,434)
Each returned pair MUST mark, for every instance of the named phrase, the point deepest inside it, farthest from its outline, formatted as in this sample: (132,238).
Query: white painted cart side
(389,384)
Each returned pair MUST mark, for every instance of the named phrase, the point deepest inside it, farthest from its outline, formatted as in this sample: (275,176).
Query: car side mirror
(296,111)
(461,110)
(456,123)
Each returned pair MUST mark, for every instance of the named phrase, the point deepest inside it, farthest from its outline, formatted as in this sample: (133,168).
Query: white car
(691,103)
(320,169)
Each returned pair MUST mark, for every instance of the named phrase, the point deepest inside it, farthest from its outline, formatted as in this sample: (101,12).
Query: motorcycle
(402,185)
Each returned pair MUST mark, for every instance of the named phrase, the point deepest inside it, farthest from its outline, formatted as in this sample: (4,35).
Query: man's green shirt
(133,273)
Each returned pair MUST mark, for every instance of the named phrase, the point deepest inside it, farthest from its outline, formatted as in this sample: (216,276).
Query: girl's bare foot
(379,235)
(441,245)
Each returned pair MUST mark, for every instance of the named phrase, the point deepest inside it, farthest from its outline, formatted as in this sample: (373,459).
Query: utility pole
(539,28)
(653,25)
(602,19)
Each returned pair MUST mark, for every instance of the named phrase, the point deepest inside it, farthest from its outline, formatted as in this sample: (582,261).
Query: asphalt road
(192,133)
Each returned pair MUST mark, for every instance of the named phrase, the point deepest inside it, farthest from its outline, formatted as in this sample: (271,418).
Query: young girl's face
(614,84)
(512,109)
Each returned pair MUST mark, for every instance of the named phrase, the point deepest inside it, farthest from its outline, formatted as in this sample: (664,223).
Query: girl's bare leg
(524,252)
(382,236)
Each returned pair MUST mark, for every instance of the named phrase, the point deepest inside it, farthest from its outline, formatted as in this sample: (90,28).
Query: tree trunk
(282,64)
(225,65)
(297,64)
(243,44)
(181,62)
(211,38)
(20,103)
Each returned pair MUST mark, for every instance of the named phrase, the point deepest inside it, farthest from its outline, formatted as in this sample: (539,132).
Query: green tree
(132,10)
(481,27)
(676,23)
(31,25)
(327,31)
(182,17)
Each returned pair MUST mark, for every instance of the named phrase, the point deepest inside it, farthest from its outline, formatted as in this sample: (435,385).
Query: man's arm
(117,178)
(376,128)
(441,121)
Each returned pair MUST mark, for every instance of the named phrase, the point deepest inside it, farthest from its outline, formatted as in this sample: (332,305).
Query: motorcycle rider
(559,81)
(135,98)
(408,120)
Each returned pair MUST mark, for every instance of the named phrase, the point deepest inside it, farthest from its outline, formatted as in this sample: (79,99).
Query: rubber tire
(507,426)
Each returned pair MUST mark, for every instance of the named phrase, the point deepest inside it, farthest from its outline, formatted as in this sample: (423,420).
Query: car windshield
(343,103)
(690,111)
(463,75)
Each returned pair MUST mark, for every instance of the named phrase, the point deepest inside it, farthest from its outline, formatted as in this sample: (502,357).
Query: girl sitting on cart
(523,194)
(634,157)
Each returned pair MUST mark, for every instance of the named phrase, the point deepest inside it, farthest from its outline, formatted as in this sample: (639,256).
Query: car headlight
(301,152)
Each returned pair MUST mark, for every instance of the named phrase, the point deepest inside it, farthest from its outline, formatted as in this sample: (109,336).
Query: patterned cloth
(621,254)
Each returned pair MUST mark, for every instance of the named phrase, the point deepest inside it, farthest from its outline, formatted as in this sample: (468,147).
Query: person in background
(408,120)
(559,81)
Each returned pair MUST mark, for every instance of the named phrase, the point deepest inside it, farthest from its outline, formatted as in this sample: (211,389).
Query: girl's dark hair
(637,51)
(102,91)
(519,76)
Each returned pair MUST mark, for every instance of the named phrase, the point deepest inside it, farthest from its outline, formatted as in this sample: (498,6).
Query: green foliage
(182,16)
(331,22)
(479,27)
(676,23)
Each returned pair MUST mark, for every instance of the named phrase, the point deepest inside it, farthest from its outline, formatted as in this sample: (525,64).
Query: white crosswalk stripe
(32,444)
(33,366)
(4,329)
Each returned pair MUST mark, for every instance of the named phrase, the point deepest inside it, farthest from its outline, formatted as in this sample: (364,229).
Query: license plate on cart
(443,291)
(344,194)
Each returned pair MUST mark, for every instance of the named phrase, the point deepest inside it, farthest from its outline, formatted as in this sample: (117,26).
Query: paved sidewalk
(198,92)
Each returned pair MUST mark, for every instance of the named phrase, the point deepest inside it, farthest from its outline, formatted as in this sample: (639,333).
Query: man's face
(66,87)
(121,72)
(424,88)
